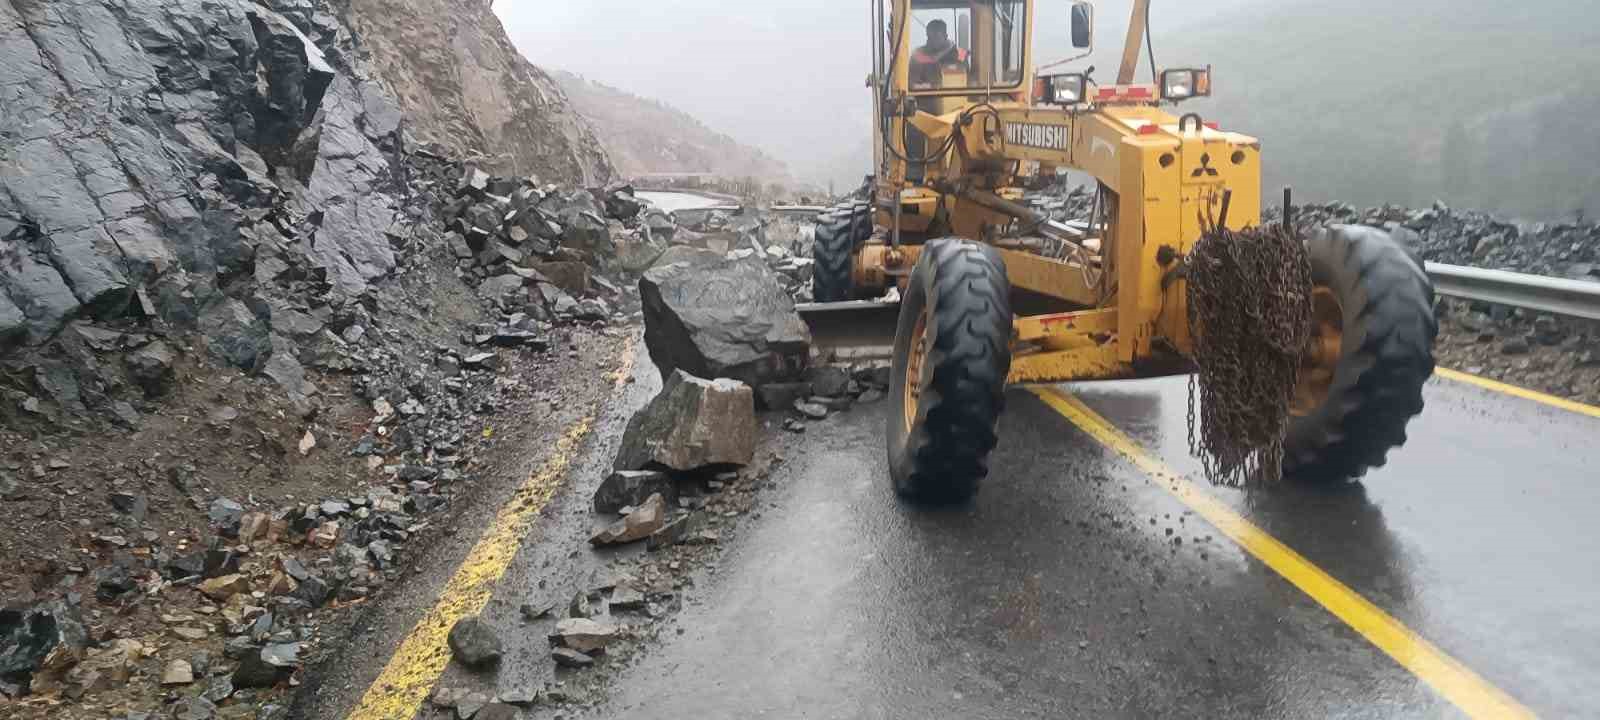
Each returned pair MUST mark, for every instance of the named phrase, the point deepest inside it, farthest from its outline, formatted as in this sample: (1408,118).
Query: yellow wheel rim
(912,391)
(1321,360)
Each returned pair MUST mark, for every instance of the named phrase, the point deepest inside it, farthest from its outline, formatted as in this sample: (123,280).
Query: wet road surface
(1074,586)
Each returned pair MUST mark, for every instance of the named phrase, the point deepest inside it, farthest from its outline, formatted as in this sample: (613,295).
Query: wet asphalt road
(1063,591)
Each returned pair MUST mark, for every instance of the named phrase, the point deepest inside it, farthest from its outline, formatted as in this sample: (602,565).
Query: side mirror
(1082,25)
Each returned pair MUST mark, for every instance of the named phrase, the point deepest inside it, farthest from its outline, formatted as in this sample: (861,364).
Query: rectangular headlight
(1067,89)
(1185,83)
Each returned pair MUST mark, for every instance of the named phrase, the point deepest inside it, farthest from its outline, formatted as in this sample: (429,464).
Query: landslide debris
(254,336)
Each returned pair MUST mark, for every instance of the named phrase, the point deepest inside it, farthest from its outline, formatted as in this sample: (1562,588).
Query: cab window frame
(1020,36)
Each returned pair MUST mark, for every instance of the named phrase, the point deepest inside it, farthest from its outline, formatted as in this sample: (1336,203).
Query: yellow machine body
(1118,300)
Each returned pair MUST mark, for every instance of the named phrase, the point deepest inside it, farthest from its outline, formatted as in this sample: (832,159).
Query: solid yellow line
(416,665)
(1461,686)
(1520,392)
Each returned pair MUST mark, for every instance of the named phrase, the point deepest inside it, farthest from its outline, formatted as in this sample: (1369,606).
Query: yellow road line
(1520,392)
(416,665)
(1461,686)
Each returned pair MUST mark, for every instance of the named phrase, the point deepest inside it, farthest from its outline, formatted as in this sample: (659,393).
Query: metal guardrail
(1575,298)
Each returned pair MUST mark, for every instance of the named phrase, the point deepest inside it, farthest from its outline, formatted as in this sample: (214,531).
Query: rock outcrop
(163,159)
(464,85)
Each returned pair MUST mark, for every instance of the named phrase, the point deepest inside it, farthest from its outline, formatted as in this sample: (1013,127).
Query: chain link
(1250,310)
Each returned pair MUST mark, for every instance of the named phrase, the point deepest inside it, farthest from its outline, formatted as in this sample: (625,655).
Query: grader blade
(852,331)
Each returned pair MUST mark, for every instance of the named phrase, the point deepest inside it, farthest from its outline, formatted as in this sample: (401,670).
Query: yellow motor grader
(1170,272)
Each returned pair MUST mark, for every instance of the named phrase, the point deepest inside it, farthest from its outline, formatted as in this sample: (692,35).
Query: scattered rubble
(672,533)
(584,635)
(569,658)
(625,488)
(781,396)
(637,525)
(266,666)
(811,410)
(177,672)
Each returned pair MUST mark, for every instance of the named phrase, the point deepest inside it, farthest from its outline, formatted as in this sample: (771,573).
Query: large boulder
(692,424)
(729,319)
(692,255)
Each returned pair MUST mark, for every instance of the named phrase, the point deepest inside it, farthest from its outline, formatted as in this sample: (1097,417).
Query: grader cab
(1309,345)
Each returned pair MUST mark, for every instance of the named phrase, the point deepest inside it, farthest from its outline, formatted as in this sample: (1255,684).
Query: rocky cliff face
(166,159)
(161,159)
(465,86)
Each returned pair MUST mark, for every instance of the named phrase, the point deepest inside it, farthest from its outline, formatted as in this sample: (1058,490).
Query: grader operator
(1308,346)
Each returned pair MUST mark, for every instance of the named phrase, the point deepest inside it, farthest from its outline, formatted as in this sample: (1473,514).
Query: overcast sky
(787,76)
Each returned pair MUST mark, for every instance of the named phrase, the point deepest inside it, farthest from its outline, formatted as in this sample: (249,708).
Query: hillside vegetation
(1484,105)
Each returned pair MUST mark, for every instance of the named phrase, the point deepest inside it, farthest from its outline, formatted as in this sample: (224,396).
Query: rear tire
(1385,356)
(939,448)
(839,232)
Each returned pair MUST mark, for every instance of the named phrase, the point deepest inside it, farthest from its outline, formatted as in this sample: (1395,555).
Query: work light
(1065,89)
(1185,83)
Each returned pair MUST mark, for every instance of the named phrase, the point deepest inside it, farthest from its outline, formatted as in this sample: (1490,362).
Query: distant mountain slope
(645,136)
(1483,105)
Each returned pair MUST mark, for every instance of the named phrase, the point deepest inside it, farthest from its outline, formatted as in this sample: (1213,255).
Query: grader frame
(1124,306)
(995,293)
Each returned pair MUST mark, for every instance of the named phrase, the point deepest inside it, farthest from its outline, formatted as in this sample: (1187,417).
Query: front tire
(947,382)
(1377,303)
(839,232)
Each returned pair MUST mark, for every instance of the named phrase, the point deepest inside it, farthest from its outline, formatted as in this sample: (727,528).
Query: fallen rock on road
(474,643)
(569,658)
(724,319)
(584,635)
(637,525)
(625,488)
(692,424)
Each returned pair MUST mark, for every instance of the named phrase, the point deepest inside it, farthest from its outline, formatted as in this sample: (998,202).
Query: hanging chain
(1250,311)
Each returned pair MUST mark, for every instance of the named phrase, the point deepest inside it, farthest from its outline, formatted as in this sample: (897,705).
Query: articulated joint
(876,264)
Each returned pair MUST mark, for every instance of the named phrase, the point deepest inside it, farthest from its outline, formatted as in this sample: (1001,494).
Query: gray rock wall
(465,86)
(162,157)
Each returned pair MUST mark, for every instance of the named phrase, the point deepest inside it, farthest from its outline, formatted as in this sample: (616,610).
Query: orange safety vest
(922,58)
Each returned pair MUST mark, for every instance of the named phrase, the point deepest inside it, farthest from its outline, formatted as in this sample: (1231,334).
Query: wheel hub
(912,391)
(1321,360)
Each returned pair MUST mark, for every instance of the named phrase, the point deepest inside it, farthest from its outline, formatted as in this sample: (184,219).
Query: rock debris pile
(252,333)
